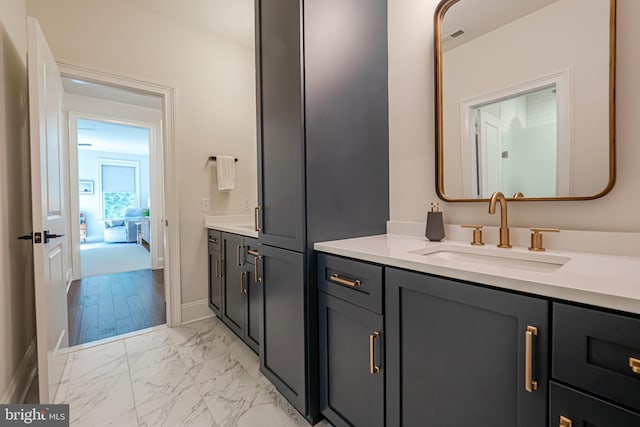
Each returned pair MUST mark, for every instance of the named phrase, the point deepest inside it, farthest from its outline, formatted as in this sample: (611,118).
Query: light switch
(204,205)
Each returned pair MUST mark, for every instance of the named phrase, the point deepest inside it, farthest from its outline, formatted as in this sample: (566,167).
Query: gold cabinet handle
(337,279)
(255,218)
(256,271)
(635,365)
(239,255)
(373,368)
(529,384)
(565,422)
(218,268)
(242,276)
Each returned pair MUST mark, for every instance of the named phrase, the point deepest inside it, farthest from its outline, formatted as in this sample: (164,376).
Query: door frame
(155,173)
(562,80)
(168,156)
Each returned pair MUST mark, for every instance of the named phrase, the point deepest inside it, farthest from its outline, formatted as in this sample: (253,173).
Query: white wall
(89,169)
(215,101)
(17,314)
(412,146)
(539,45)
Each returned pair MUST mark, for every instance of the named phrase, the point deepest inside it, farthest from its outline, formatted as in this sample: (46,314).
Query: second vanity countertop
(601,280)
(236,224)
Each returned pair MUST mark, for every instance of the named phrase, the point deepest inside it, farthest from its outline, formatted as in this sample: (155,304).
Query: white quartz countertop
(601,280)
(236,224)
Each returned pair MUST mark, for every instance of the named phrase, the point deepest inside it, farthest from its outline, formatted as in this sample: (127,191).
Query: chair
(123,230)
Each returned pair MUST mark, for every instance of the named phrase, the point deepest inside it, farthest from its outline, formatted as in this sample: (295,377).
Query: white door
(49,218)
(489,153)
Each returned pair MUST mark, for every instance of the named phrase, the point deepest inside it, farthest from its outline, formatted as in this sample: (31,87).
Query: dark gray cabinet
(322,152)
(282,330)
(457,354)
(351,341)
(241,294)
(234,300)
(572,408)
(598,353)
(351,364)
(216,271)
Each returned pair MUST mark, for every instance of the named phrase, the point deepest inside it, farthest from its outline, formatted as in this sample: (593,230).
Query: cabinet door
(235,283)
(254,299)
(282,354)
(216,269)
(280,127)
(577,409)
(456,354)
(351,368)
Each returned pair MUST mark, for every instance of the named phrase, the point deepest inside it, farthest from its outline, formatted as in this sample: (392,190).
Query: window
(119,187)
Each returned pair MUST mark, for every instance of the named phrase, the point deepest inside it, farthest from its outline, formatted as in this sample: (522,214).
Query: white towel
(226,172)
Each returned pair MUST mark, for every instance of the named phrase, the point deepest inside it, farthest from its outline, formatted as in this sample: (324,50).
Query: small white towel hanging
(226,166)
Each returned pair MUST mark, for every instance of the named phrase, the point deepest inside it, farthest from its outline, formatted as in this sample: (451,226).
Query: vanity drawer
(575,408)
(598,352)
(354,281)
(214,240)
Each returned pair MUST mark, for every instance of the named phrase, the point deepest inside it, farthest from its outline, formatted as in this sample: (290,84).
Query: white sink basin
(491,256)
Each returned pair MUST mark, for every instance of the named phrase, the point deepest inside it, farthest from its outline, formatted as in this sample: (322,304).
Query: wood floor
(114,304)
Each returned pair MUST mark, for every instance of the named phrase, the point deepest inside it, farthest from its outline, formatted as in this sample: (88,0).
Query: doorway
(115,162)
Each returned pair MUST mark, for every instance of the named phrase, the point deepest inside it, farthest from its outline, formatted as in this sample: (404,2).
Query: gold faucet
(504,229)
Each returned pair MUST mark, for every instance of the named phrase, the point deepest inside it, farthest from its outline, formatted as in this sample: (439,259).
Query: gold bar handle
(239,255)
(218,268)
(337,279)
(373,368)
(255,218)
(256,271)
(242,276)
(565,422)
(635,365)
(529,384)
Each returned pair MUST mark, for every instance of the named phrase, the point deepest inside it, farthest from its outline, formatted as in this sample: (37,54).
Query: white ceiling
(112,137)
(230,19)
(478,17)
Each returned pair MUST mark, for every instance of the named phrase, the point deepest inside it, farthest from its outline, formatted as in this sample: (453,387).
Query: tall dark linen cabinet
(322,164)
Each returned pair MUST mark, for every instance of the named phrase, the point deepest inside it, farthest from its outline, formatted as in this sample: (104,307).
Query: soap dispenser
(435,224)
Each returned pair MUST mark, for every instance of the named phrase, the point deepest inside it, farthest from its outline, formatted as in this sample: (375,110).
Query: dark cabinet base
(583,410)
(351,340)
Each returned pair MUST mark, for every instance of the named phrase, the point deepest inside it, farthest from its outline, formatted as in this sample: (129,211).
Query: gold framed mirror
(525,99)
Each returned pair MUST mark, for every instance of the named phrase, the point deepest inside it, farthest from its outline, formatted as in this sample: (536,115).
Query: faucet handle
(536,238)
(477,234)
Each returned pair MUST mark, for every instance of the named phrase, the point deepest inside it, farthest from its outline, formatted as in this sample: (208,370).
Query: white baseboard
(196,310)
(23,377)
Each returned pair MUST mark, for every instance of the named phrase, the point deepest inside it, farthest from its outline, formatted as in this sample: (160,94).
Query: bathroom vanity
(448,334)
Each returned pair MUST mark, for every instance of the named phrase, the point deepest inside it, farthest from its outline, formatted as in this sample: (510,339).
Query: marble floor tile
(98,400)
(199,374)
(184,408)
(197,344)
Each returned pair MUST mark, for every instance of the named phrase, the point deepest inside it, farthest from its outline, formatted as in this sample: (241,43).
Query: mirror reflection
(524,98)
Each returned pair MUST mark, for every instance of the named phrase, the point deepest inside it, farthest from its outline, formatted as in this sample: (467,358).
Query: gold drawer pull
(373,368)
(218,268)
(529,383)
(257,278)
(337,279)
(635,365)
(565,422)
(242,276)
(255,218)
